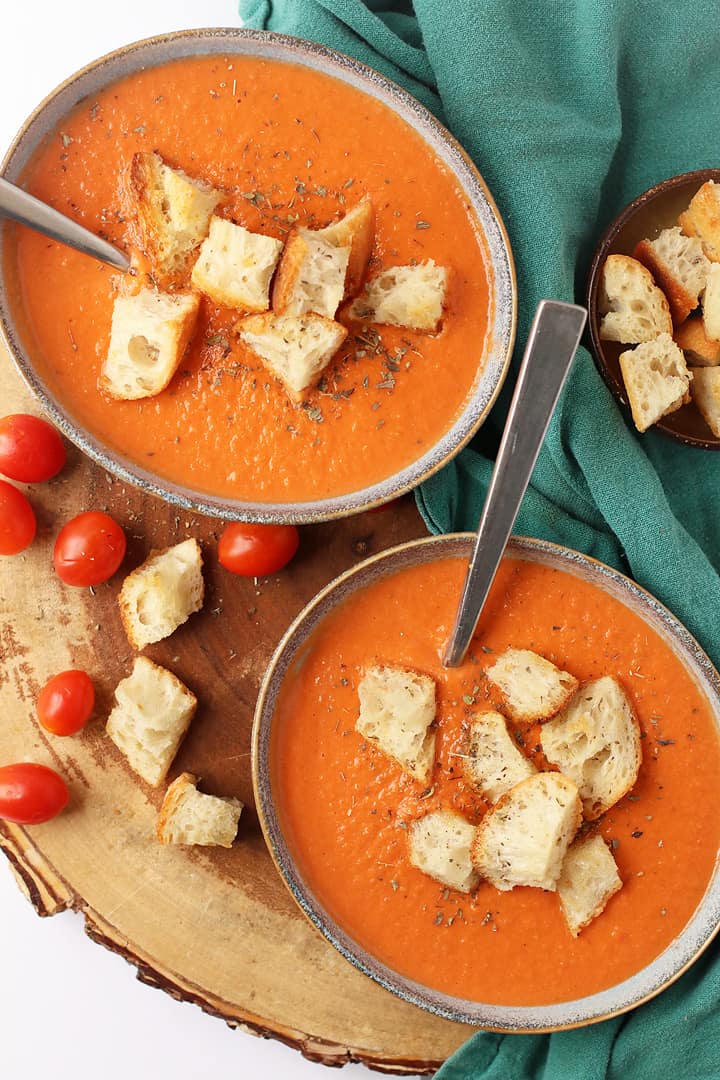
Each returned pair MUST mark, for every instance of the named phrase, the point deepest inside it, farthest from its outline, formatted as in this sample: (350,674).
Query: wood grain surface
(214,927)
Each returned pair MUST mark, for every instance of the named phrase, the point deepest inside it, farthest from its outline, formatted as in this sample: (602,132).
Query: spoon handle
(551,346)
(18,205)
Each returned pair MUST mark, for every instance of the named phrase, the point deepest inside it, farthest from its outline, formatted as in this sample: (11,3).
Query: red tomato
(30,449)
(257,550)
(30,794)
(66,703)
(89,549)
(17,520)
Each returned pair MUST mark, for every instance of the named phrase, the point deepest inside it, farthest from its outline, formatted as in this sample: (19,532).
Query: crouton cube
(439,845)
(589,877)
(678,264)
(493,763)
(355,230)
(235,266)
(656,378)
(189,817)
(523,839)
(534,689)
(311,276)
(150,719)
(702,219)
(596,742)
(634,309)
(410,296)
(173,211)
(711,303)
(706,395)
(698,348)
(295,348)
(397,708)
(149,335)
(162,593)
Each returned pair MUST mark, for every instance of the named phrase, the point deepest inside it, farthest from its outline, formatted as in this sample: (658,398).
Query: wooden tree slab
(214,927)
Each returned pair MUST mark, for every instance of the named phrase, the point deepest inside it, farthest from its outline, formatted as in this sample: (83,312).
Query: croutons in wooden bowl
(506,843)
(654,308)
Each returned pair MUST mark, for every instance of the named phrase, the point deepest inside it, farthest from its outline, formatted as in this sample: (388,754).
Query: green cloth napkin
(570,108)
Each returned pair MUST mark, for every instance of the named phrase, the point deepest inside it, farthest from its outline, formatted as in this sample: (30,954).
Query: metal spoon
(551,346)
(18,205)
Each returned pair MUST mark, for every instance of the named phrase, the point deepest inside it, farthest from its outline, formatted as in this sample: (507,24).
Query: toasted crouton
(411,296)
(523,839)
(295,348)
(589,877)
(493,763)
(173,211)
(149,721)
(439,845)
(702,219)
(189,817)
(634,309)
(311,276)
(706,395)
(679,266)
(656,378)
(711,303)
(148,337)
(162,593)
(235,266)
(356,231)
(397,708)
(534,689)
(596,742)
(692,338)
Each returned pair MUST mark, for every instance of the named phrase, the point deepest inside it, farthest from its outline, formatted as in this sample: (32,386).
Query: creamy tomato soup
(345,808)
(291,146)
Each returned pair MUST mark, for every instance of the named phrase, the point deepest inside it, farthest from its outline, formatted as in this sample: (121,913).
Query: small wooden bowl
(645,217)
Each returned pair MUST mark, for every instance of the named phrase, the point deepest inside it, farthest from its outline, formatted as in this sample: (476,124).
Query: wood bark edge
(49,894)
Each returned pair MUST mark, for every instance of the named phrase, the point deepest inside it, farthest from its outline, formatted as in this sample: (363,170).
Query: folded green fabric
(570,109)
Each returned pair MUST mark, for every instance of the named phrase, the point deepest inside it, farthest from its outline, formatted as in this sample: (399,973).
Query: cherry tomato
(66,703)
(257,550)
(17,520)
(30,794)
(89,549)
(30,449)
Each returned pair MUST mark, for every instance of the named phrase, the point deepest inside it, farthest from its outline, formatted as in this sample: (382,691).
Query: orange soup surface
(345,807)
(291,147)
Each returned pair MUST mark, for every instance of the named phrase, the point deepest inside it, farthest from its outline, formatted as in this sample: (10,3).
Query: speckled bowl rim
(593,289)
(665,969)
(503,301)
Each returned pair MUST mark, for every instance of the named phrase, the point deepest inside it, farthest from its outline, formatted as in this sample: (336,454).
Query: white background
(70,1009)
